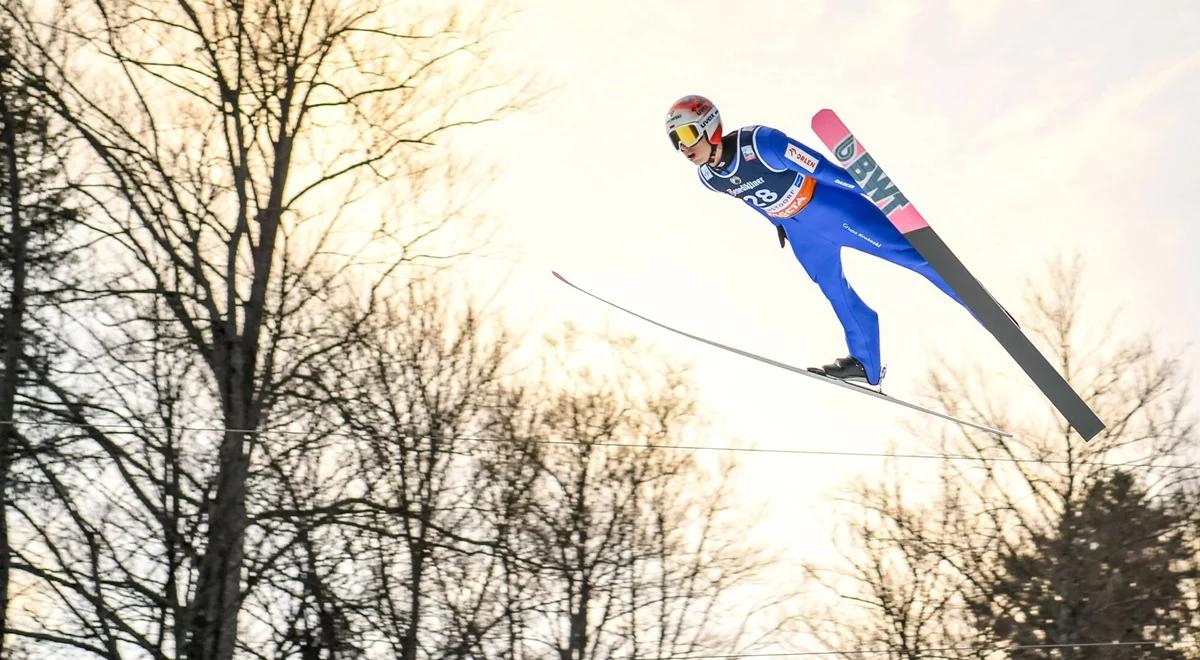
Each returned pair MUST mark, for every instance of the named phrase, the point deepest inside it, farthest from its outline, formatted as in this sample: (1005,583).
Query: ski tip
(827,119)
(555,273)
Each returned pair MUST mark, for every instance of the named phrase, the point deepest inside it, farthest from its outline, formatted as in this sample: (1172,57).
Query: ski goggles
(685,136)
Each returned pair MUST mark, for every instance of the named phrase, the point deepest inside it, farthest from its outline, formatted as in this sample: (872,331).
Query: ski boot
(849,369)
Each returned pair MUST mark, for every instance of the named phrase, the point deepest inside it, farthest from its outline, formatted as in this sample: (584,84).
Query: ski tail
(850,154)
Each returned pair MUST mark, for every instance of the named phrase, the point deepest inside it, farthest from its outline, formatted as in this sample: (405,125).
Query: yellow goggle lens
(686,136)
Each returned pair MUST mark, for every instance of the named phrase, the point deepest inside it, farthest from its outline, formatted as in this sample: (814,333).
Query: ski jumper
(821,209)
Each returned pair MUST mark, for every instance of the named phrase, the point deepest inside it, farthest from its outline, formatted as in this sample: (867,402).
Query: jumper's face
(698,153)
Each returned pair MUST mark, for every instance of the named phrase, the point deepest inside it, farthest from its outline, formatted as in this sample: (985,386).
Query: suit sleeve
(779,152)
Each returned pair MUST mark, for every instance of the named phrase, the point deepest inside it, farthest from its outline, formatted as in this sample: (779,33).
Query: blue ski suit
(821,209)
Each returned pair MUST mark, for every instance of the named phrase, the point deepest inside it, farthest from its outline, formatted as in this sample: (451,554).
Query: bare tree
(201,477)
(459,514)
(1040,539)
(385,511)
(34,216)
(616,545)
(231,146)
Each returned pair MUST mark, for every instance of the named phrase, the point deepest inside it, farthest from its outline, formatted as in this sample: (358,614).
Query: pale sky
(1021,130)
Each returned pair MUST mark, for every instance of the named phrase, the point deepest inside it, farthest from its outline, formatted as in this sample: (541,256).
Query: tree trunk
(218,594)
(12,346)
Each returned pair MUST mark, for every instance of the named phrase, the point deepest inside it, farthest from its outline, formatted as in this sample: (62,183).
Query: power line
(828,453)
(892,650)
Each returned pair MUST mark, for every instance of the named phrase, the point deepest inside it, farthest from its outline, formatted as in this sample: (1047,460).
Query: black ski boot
(849,369)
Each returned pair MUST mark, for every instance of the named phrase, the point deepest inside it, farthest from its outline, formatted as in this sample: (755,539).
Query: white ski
(798,370)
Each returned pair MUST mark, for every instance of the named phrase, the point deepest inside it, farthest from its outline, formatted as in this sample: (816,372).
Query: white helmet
(691,118)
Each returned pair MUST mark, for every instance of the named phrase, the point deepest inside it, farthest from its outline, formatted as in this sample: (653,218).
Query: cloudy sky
(1021,130)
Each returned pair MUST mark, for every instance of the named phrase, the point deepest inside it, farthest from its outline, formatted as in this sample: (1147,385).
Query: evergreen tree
(1115,569)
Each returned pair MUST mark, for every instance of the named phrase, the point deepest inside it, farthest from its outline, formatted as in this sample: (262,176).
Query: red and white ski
(850,154)
(798,370)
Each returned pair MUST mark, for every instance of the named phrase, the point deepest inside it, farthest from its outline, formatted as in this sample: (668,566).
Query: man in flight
(814,204)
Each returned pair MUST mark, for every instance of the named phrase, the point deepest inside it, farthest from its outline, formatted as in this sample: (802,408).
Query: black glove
(782,235)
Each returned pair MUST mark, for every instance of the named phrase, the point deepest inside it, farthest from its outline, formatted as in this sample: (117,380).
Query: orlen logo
(797,156)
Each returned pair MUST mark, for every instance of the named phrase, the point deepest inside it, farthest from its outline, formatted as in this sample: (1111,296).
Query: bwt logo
(869,175)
